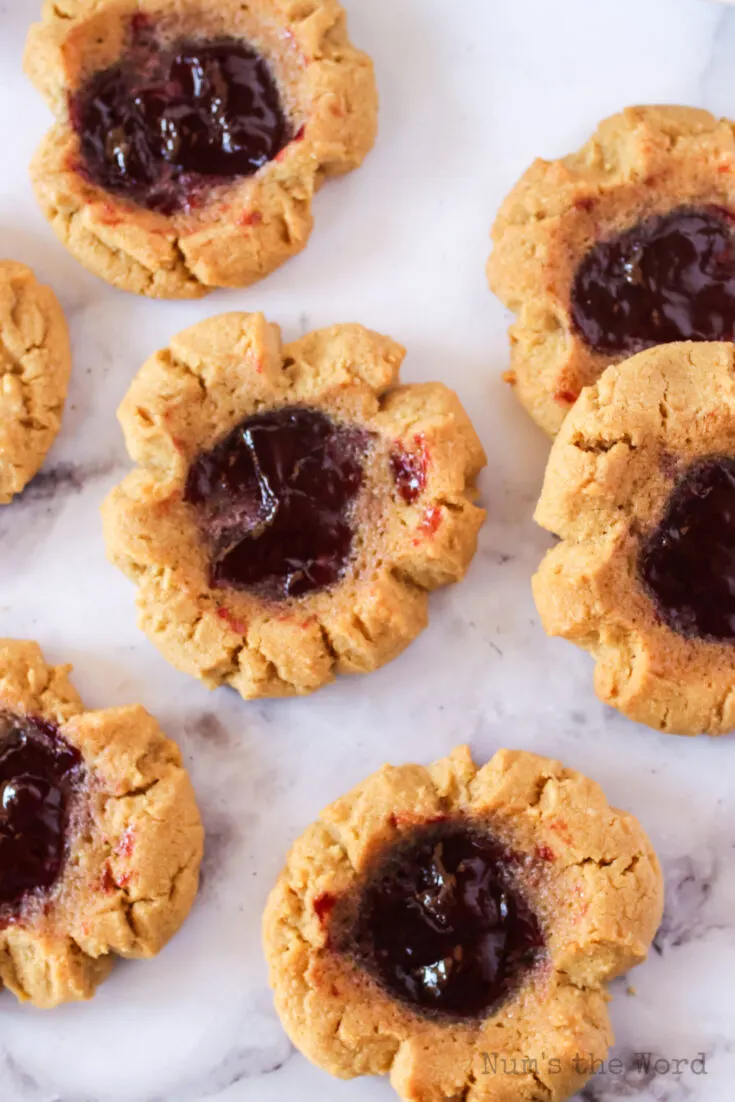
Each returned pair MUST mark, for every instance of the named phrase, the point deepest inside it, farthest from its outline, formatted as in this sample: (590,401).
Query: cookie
(454,927)
(293,505)
(191,138)
(100,837)
(640,487)
(622,246)
(35,363)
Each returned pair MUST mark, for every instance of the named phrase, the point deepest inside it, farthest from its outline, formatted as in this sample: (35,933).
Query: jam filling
(669,278)
(409,471)
(39,772)
(167,121)
(688,564)
(275,502)
(442,925)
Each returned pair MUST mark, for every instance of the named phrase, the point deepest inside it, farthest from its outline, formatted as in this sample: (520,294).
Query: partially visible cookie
(640,487)
(454,927)
(35,363)
(191,138)
(624,245)
(293,505)
(100,836)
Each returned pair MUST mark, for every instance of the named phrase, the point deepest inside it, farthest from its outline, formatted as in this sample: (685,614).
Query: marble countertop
(471,92)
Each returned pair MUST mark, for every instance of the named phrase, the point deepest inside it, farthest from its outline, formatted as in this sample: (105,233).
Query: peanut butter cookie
(100,837)
(454,927)
(622,246)
(35,363)
(191,137)
(640,487)
(293,505)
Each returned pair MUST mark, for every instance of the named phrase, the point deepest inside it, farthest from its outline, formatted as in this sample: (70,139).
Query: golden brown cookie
(293,504)
(35,363)
(640,487)
(455,926)
(100,837)
(621,246)
(191,137)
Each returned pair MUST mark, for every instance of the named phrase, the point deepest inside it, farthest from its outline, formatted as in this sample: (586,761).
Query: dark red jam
(275,502)
(39,772)
(688,564)
(409,470)
(169,120)
(443,926)
(669,278)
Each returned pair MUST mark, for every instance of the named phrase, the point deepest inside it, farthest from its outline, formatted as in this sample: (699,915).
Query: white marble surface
(471,92)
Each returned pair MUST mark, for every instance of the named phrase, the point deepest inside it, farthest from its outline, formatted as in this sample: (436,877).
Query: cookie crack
(329,644)
(403,577)
(546,1092)
(8,955)
(16,365)
(137,792)
(541,785)
(468,1087)
(187,369)
(362,628)
(148,274)
(184,263)
(600,446)
(718,712)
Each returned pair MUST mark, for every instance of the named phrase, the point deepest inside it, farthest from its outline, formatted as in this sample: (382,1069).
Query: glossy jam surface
(409,470)
(442,927)
(275,502)
(688,564)
(669,278)
(38,774)
(167,121)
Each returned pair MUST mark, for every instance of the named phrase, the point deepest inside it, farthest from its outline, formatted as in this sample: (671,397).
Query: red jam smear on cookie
(443,926)
(167,121)
(669,278)
(409,470)
(688,564)
(39,773)
(275,499)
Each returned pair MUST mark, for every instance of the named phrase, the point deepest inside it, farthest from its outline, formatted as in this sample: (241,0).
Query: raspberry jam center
(409,470)
(167,121)
(688,564)
(275,501)
(38,774)
(442,925)
(669,278)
